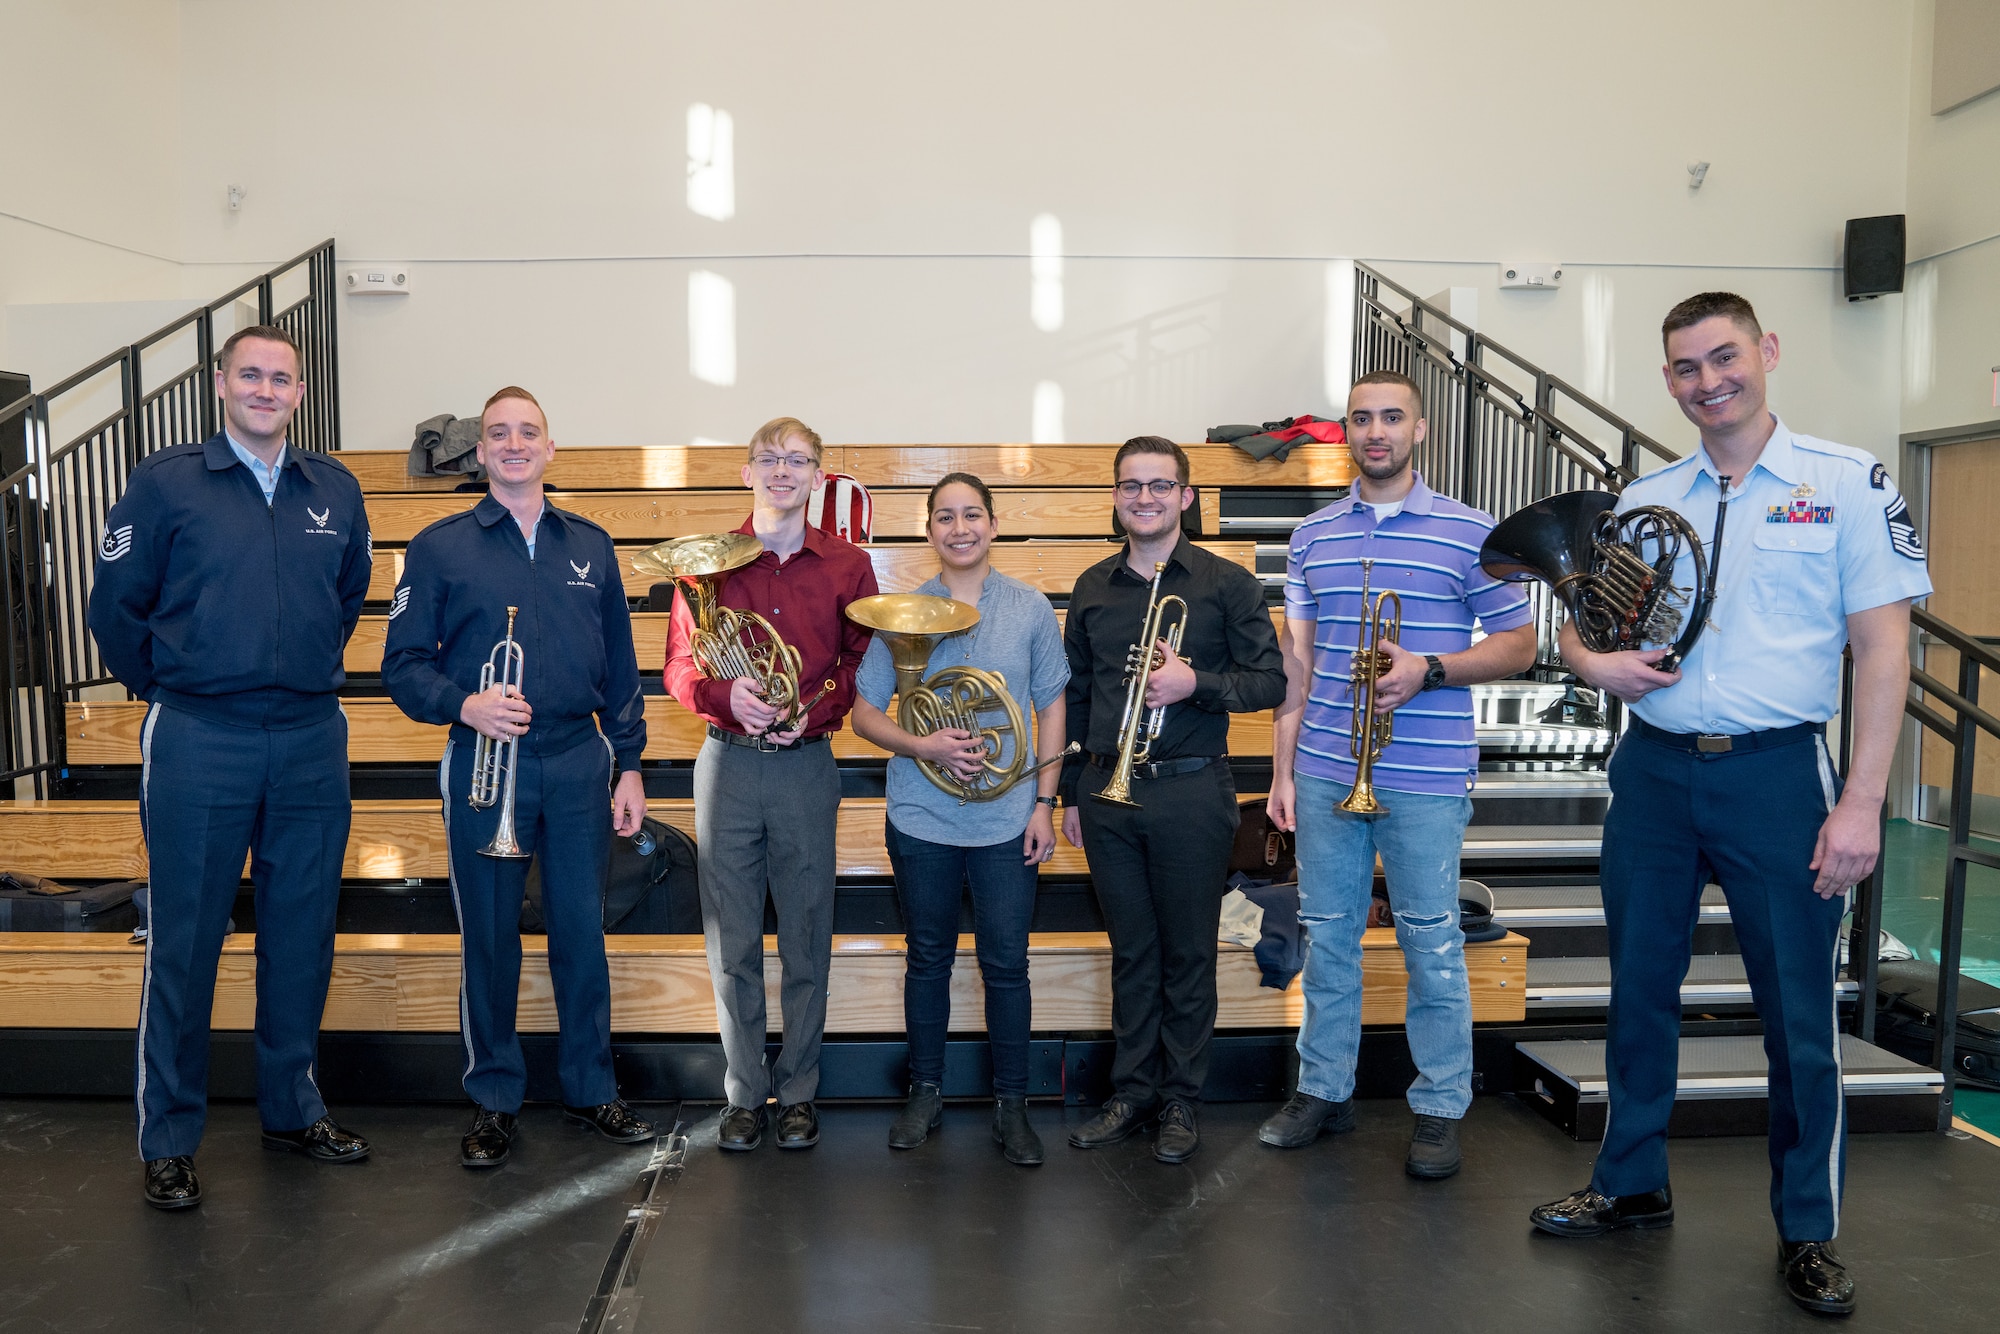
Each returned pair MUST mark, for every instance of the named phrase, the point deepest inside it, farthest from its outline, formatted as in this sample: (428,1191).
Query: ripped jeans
(1419,840)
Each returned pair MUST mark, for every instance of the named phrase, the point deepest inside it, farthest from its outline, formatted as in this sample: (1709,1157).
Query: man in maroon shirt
(765,800)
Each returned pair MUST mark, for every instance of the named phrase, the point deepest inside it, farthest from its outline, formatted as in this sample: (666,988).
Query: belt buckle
(766,745)
(1713,743)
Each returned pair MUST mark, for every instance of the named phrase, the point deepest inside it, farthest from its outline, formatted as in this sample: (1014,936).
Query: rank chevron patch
(1903,533)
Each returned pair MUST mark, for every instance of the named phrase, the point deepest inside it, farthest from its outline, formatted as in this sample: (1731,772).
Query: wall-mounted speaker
(1874,256)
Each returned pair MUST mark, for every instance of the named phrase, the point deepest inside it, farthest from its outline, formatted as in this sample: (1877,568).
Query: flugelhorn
(496,764)
(1138,729)
(1369,733)
(729,643)
(1613,572)
(961,695)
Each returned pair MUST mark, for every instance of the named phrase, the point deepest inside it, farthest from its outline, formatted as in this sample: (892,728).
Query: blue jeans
(1419,839)
(930,884)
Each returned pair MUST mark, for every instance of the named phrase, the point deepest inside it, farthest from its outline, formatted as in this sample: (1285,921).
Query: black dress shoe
(1178,1137)
(171,1183)
(1304,1119)
(921,1114)
(1019,1144)
(1814,1278)
(1121,1119)
(489,1141)
(613,1120)
(1590,1214)
(798,1126)
(742,1129)
(323,1141)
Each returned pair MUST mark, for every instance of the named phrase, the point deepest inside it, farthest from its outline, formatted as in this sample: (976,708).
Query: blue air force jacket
(209,600)
(459,577)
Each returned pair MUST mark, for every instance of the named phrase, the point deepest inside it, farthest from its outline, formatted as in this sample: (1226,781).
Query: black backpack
(652,887)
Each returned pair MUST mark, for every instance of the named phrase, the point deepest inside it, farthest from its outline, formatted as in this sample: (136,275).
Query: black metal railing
(1502,431)
(1955,715)
(81,439)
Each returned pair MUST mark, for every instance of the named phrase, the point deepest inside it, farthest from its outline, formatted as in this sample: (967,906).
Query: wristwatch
(1433,673)
(1049,802)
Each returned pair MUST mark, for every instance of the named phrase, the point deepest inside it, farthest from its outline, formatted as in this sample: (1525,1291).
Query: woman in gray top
(937,845)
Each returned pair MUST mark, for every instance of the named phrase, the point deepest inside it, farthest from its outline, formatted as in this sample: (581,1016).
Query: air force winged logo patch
(1903,533)
(400,603)
(319,519)
(319,516)
(582,571)
(1878,477)
(117,542)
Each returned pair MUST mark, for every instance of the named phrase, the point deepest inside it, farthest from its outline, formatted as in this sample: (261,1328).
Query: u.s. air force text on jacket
(215,601)
(450,608)
(1815,533)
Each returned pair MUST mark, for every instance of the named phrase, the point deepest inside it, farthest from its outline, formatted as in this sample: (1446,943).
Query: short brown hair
(269,333)
(776,431)
(1706,306)
(513,391)
(1396,378)
(1151,444)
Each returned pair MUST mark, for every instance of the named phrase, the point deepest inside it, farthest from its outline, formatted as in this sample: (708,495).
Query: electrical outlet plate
(1530,276)
(379,280)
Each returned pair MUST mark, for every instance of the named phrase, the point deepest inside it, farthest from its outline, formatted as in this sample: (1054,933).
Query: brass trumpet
(1369,733)
(961,696)
(729,643)
(1137,729)
(495,764)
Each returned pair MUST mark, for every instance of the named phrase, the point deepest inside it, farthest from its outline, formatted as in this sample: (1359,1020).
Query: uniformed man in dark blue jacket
(229,578)
(574,785)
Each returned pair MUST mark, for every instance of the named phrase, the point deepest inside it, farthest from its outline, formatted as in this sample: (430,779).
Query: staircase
(1504,433)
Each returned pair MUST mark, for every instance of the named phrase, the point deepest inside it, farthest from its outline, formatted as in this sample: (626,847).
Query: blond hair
(773,434)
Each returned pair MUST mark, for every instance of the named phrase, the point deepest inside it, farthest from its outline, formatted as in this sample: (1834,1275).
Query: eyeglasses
(797,461)
(1160,488)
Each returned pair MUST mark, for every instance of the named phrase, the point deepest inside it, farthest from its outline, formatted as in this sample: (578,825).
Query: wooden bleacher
(1055,497)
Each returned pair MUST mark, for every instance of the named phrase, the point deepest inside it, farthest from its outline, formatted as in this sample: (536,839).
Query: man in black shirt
(1159,865)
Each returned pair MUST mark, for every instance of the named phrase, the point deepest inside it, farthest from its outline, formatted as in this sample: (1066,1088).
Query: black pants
(1159,874)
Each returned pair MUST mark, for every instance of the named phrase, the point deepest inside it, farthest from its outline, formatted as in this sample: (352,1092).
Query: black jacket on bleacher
(210,600)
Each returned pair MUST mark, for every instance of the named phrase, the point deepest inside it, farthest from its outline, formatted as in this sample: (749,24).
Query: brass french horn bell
(729,643)
(971,698)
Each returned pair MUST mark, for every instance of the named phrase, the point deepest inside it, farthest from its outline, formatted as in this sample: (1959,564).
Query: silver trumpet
(1138,728)
(495,763)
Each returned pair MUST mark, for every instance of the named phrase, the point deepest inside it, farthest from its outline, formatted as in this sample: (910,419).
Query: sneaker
(1433,1149)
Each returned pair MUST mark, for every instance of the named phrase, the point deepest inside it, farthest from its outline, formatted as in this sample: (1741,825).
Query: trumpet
(1369,734)
(1137,729)
(728,643)
(960,696)
(495,764)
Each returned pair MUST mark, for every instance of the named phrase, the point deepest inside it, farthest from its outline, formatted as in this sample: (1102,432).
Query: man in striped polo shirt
(1425,548)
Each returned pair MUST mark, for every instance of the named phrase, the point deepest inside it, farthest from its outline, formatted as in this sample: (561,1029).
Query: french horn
(1613,573)
(911,625)
(730,643)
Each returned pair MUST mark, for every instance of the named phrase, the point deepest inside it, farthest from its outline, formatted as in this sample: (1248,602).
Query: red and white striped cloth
(842,506)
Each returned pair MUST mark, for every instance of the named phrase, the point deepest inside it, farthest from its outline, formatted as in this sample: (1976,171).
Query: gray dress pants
(764,823)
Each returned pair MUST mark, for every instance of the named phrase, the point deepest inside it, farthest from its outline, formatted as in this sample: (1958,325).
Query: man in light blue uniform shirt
(1725,774)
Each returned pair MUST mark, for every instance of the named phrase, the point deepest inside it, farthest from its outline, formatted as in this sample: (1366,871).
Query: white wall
(529,163)
(1952,338)
(90,203)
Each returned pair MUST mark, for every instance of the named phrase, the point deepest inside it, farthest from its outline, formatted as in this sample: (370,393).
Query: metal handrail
(55,505)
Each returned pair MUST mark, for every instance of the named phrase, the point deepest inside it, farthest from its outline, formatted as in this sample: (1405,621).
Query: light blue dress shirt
(1815,533)
(266,475)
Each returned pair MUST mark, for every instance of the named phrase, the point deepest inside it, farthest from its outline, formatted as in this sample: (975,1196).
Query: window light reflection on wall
(711,162)
(711,328)
(1048,414)
(1045,272)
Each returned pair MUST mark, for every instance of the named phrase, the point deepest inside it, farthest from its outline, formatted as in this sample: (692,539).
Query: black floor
(949,1237)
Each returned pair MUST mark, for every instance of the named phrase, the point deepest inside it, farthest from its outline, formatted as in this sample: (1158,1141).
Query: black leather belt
(1719,743)
(1158,768)
(730,738)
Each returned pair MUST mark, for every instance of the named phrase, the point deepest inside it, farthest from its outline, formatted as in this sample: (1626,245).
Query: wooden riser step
(660,984)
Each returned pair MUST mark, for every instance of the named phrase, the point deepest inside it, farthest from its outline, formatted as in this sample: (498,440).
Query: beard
(1387,468)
